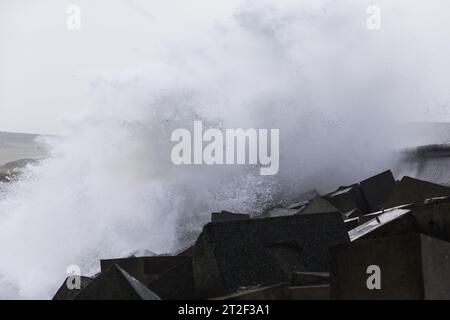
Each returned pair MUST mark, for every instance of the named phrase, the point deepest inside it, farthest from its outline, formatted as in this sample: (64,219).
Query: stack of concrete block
(376,239)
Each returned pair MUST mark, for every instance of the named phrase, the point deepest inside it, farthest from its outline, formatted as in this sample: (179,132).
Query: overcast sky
(46,70)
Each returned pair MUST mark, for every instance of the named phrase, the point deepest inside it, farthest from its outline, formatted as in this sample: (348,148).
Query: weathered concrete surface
(177,283)
(144,269)
(171,277)
(313,292)
(412,266)
(377,189)
(263,252)
(115,284)
(65,293)
(318,205)
(433,218)
(303,199)
(347,199)
(391,223)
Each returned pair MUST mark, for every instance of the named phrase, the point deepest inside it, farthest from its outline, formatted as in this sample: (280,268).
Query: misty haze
(89,99)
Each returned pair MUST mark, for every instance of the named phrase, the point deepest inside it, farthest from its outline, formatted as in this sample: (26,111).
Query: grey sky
(46,70)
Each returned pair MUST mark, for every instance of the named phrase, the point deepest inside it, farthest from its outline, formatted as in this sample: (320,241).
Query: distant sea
(16,146)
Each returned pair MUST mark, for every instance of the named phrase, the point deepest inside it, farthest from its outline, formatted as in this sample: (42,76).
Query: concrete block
(318,205)
(65,293)
(227,216)
(412,266)
(303,199)
(413,191)
(392,222)
(187,251)
(263,252)
(177,283)
(275,292)
(377,189)
(351,223)
(145,269)
(115,284)
(431,218)
(280,212)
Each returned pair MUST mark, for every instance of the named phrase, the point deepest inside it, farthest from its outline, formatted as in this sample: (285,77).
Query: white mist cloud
(137,70)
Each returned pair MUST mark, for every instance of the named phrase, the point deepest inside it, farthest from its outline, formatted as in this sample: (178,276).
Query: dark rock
(377,189)
(411,191)
(263,252)
(227,216)
(411,266)
(433,217)
(65,293)
(115,284)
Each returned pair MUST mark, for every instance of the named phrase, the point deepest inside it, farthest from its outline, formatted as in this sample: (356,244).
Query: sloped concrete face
(318,205)
(347,199)
(177,283)
(392,222)
(170,277)
(145,269)
(430,218)
(435,256)
(64,293)
(263,251)
(115,284)
(411,191)
(410,267)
